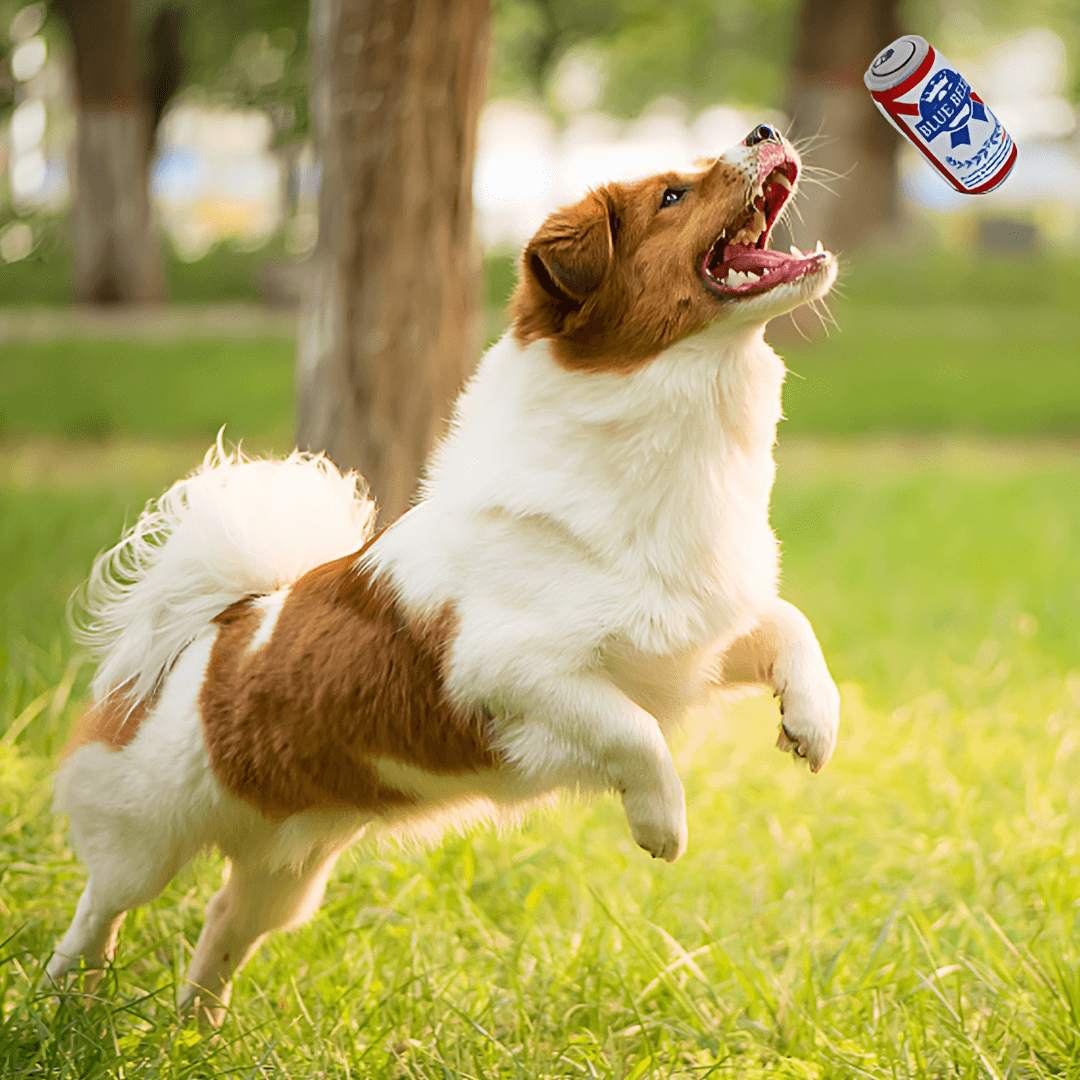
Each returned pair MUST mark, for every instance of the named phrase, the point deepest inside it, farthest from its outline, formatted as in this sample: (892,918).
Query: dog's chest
(706,566)
(696,585)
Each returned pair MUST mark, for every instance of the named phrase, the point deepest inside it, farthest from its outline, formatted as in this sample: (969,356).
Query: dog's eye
(671,196)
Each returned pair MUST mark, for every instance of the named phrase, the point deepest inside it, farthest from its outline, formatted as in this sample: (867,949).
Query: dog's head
(633,268)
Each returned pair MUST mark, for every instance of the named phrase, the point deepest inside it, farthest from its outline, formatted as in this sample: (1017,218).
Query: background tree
(130,60)
(846,136)
(116,252)
(390,326)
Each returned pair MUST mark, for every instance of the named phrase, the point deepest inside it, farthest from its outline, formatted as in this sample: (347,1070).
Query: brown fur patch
(345,677)
(113,721)
(615,279)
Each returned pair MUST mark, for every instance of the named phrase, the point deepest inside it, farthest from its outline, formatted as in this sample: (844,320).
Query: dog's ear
(571,254)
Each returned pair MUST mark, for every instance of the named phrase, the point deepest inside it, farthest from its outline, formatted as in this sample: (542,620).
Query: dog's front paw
(810,720)
(657,820)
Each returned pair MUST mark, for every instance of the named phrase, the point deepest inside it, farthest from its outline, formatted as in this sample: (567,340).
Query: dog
(590,554)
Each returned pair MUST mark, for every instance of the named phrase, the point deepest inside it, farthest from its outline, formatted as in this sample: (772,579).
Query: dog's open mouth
(740,263)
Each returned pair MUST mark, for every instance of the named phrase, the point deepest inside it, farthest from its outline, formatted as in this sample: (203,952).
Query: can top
(896,62)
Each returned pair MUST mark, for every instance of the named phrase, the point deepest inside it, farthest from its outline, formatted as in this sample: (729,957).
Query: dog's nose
(763,133)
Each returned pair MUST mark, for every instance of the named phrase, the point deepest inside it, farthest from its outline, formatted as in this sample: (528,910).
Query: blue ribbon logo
(946,105)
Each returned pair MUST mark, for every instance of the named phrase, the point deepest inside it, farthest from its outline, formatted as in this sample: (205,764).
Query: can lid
(891,59)
(895,62)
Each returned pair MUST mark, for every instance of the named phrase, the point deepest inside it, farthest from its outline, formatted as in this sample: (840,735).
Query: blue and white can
(931,104)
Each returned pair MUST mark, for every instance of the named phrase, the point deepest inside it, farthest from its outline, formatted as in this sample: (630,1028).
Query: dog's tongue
(743,257)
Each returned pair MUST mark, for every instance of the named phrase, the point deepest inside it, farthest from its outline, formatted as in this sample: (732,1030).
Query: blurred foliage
(708,51)
(500,277)
(243,53)
(981,22)
(51,29)
(248,54)
(946,282)
(702,50)
(254,53)
(943,342)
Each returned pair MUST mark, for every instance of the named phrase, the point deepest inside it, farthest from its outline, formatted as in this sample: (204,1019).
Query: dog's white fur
(234,528)
(605,542)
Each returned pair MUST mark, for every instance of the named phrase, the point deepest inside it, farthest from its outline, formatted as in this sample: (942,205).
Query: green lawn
(912,912)
(944,343)
(1013,370)
(801,934)
(161,389)
(919,559)
(936,344)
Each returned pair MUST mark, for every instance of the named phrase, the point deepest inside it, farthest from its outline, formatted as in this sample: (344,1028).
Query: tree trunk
(165,70)
(116,251)
(391,326)
(833,111)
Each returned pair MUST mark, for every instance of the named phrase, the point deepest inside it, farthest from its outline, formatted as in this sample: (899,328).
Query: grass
(937,345)
(1012,374)
(944,343)
(1007,371)
(920,558)
(912,912)
(162,389)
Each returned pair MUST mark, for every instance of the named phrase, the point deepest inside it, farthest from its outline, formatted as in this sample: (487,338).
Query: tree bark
(832,110)
(116,250)
(166,66)
(390,326)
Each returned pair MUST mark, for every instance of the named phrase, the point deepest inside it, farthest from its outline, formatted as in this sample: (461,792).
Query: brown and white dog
(590,554)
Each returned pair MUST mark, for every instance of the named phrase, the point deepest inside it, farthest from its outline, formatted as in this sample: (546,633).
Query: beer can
(931,104)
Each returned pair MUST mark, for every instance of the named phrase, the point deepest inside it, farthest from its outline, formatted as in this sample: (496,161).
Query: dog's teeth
(819,250)
(758,223)
(738,277)
(783,181)
(796,252)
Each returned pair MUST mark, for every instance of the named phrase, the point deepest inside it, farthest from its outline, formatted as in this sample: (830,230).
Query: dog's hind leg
(90,937)
(120,880)
(252,901)
(136,818)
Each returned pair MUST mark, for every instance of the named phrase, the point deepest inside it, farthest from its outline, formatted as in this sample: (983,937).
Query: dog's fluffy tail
(234,527)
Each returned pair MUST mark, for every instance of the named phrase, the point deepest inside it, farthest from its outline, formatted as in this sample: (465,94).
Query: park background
(913,911)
